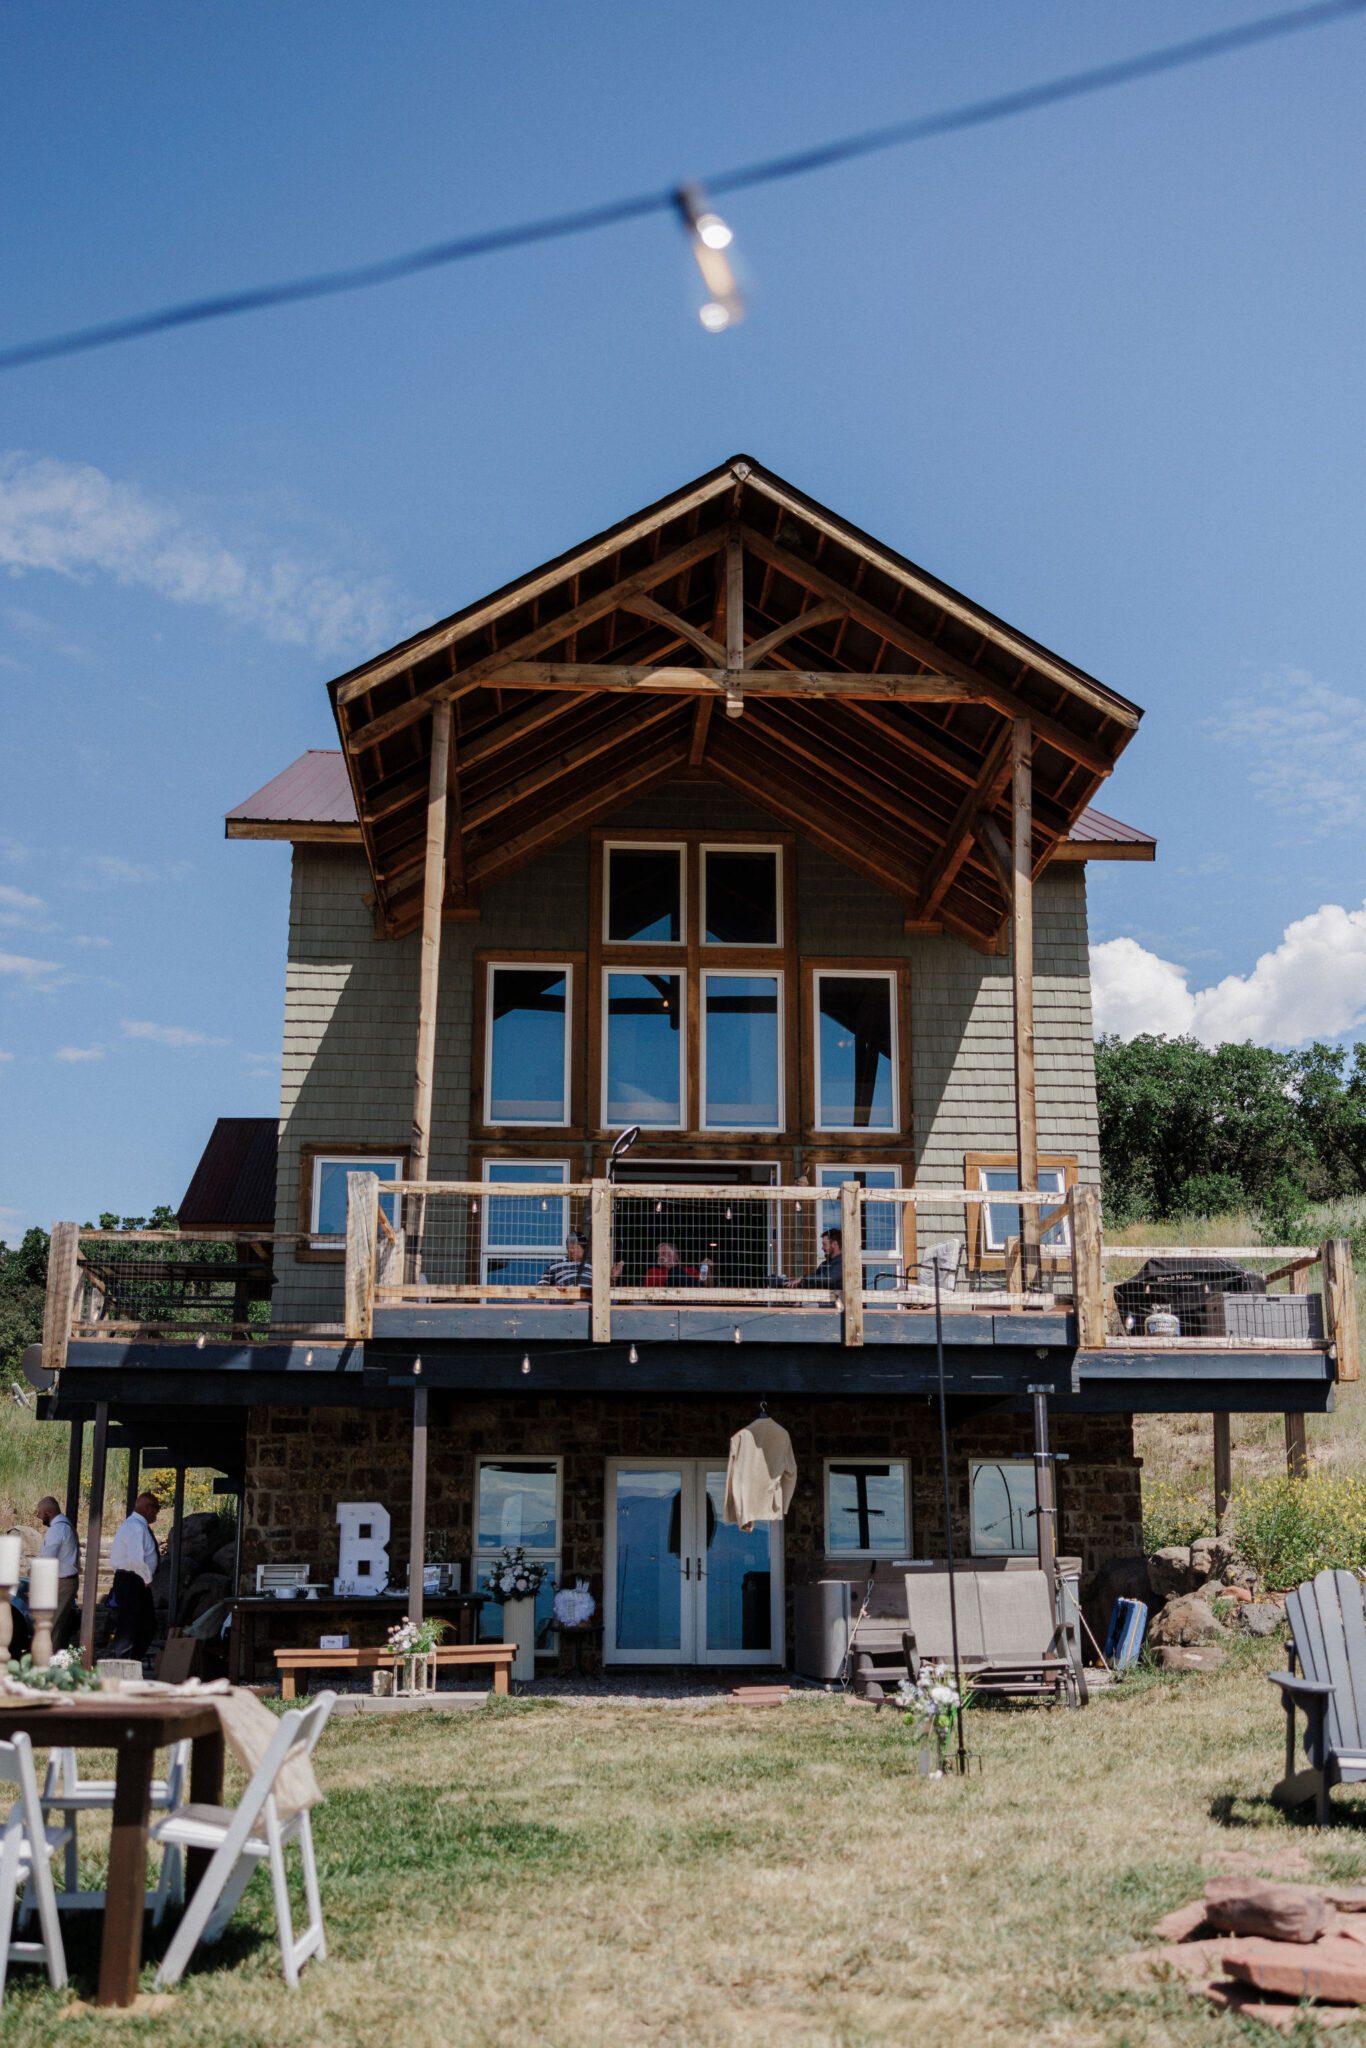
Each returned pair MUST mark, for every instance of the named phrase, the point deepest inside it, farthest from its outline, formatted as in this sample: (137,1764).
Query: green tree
(23,1279)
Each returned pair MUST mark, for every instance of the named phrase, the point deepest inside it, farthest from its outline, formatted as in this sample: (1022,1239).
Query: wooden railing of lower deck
(1285,1270)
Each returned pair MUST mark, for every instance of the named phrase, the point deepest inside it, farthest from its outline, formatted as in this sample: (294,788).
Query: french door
(682,1586)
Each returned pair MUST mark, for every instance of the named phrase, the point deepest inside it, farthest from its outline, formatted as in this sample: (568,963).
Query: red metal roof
(315,790)
(233,1186)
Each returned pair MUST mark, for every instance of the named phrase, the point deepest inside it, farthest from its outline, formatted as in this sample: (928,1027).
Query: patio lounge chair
(1010,1639)
(1328,1639)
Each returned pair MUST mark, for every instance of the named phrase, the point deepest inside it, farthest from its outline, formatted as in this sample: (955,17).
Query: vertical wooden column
(176,1548)
(362,1232)
(417,1548)
(1223,1470)
(1340,1306)
(1296,1447)
(1022,978)
(851,1253)
(1045,1493)
(1089,1273)
(75,1447)
(600,1257)
(134,1486)
(63,1277)
(94,1531)
(735,623)
(433,897)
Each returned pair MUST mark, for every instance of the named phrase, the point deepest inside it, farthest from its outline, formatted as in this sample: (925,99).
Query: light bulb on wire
(710,238)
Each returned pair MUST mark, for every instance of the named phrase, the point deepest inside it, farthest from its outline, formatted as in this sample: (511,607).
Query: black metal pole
(948,1516)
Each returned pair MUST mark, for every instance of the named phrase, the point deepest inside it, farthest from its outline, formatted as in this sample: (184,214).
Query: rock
(1170,1571)
(1331,1969)
(1280,1912)
(1239,1594)
(1172,1657)
(1239,1574)
(1260,1618)
(224,1559)
(1185,1620)
(1211,1554)
(1348,1899)
(1227,1995)
(1184,1924)
(1183,1958)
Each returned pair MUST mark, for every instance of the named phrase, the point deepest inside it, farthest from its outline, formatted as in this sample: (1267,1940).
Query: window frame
(679,849)
(982,1257)
(876,1551)
(313,1245)
(775,974)
(490,965)
(1025,1464)
(850,1169)
(553,1557)
(778,850)
(679,970)
(547,1169)
(894,976)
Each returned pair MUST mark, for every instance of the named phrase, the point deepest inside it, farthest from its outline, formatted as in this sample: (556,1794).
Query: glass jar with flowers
(932,1702)
(412,1645)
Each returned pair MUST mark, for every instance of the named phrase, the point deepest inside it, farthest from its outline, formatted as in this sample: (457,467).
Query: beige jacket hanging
(761,1474)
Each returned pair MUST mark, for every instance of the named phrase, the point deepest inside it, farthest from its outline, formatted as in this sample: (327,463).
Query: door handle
(687,1567)
(699,1568)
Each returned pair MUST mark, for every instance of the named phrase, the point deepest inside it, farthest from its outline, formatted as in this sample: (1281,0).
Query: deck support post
(429,970)
(417,1548)
(94,1531)
(75,1447)
(1223,1469)
(1022,979)
(134,1486)
(175,1547)
(1340,1306)
(851,1259)
(1296,1447)
(1045,1492)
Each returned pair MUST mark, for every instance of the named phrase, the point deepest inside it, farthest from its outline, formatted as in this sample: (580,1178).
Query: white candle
(42,1582)
(11,1554)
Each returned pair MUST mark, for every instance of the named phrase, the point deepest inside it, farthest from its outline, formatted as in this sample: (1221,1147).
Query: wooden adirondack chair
(1328,1639)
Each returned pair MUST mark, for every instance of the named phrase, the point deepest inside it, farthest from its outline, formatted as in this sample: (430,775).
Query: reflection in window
(329,1191)
(1004,1521)
(740,887)
(1003,1218)
(855,1044)
(643,1059)
(517,1502)
(523,1234)
(644,895)
(528,1045)
(740,1025)
(881,1220)
(649,1595)
(866,1509)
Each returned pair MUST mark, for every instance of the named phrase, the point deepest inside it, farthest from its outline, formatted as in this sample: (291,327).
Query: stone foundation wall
(301,1461)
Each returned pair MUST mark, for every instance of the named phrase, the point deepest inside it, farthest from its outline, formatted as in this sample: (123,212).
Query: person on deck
(574,1269)
(830,1272)
(668,1269)
(60,1542)
(134,1557)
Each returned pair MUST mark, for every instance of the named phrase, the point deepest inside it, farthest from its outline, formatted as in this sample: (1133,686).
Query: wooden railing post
(1223,1470)
(851,1253)
(1340,1306)
(600,1254)
(63,1275)
(362,1229)
(1088,1271)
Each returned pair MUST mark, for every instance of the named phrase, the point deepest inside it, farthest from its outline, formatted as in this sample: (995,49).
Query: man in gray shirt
(60,1542)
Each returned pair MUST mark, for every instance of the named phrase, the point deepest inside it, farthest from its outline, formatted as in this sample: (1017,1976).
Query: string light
(736,1334)
(710,237)
(633,1356)
(526,1361)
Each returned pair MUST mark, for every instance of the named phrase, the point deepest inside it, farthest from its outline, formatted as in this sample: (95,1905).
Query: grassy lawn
(578,1875)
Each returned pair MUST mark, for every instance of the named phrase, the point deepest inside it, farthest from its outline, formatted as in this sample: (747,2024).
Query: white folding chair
(27,1847)
(240,1839)
(66,1792)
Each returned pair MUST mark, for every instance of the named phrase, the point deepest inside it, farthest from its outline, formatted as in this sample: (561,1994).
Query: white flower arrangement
(515,1576)
(932,1703)
(574,1606)
(416,1638)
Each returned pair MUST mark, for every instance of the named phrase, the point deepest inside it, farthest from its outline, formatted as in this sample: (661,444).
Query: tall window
(856,1052)
(643,1055)
(644,889)
(526,1039)
(741,895)
(881,1246)
(517,1503)
(867,1508)
(742,1052)
(1004,1503)
(521,1236)
(327,1218)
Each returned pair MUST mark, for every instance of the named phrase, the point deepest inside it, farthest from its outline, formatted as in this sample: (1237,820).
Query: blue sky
(1099,367)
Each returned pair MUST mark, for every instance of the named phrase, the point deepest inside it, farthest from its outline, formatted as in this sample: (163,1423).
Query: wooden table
(331,1614)
(135,1729)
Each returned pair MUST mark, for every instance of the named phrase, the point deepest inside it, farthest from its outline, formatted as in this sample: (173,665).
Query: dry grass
(599,1877)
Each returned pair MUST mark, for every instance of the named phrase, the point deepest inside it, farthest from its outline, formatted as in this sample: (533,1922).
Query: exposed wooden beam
(565,818)
(944,868)
(752,771)
(701,719)
(429,969)
(514,728)
(457,888)
(778,682)
(1022,978)
(1103,849)
(992,841)
(541,636)
(619,733)
(818,615)
(304,834)
(1074,745)
(646,608)
(735,603)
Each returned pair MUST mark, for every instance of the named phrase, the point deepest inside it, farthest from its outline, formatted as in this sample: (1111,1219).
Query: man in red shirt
(668,1270)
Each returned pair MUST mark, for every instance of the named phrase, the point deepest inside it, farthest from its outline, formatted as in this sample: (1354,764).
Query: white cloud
(112,867)
(74,1053)
(1312,985)
(18,907)
(84,939)
(1305,744)
(5,1058)
(27,968)
(72,519)
(168,1034)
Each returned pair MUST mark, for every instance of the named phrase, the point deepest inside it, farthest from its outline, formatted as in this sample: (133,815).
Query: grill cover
(1192,1288)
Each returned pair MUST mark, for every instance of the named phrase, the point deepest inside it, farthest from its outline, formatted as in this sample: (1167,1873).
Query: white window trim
(883,1550)
(889,975)
(676,968)
(1000,1198)
(740,846)
(551,1557)
(354,1162)
(493,967)
(680,852)
(774,974)
(850,1169)
(547,1169)
(1028,1549)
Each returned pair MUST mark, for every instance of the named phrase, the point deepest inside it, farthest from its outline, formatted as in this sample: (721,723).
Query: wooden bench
(498,1656)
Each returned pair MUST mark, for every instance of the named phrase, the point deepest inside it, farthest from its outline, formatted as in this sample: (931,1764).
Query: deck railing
(1232,1297)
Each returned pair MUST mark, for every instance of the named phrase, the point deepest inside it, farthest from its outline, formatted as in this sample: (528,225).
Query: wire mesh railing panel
(767,1245)
(174,1285)
(490,1239)
(967,1249)
(1225,1296)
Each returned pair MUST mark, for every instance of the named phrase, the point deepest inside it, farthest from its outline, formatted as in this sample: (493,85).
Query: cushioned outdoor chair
(1328,1641)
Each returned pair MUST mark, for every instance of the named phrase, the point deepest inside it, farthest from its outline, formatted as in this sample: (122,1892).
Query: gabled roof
(233,1186)
(870,705)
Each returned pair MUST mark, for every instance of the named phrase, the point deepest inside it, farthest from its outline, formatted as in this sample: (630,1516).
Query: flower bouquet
(515,1576)
(67,1672)
(932,1703)
(412,1645)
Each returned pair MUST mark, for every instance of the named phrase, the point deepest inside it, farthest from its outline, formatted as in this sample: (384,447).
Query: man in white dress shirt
(134,1557)
(60,1542)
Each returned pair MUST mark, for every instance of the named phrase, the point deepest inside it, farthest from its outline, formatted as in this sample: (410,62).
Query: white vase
(519,1627)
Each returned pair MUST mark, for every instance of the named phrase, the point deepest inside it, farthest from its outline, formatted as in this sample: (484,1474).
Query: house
(715,887)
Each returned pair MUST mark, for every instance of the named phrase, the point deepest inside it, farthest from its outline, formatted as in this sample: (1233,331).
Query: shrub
(1288,1529)
(1175,1511)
